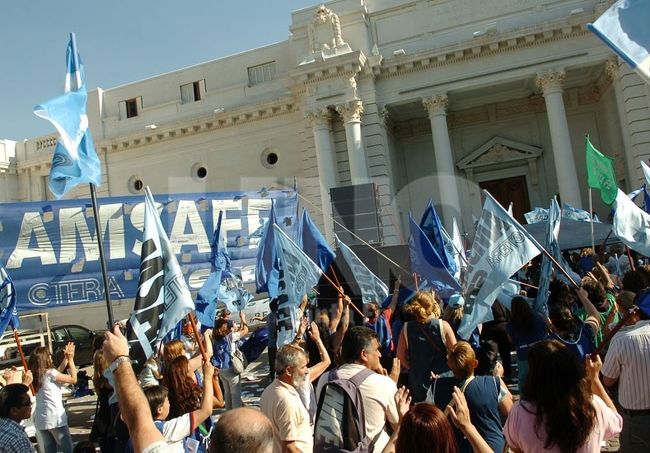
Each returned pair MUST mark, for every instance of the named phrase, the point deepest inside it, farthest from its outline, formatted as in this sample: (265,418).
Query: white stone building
(425,98)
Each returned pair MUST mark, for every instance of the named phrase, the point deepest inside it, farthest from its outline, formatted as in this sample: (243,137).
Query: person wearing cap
(628,363)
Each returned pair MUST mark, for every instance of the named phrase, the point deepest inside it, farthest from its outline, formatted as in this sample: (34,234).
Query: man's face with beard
(300,373)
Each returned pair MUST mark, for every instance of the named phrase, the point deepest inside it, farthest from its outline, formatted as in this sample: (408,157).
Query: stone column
(436,107)
(550,82)
(351,113)
(320,123)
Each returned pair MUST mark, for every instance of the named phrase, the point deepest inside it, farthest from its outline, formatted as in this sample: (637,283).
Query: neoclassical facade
(425,98)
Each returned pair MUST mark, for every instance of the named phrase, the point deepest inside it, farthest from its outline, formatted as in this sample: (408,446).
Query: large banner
(49,248)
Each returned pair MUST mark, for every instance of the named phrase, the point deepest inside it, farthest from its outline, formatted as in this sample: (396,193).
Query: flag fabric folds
(501,247)
(646,172)
(207,298)
(631,225)
(8,314)
(163,298)
(266,270)
(297,275)
(432,227)
(371,286)
(624,28)
(314,244)
(600,173)
(75,160)
(426,262)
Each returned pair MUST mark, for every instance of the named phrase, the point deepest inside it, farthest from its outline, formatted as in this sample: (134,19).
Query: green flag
(600,173)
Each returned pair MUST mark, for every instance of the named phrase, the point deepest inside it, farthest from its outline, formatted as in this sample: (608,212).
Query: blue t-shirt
(524,340)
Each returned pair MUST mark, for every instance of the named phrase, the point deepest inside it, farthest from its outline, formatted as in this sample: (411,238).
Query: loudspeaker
(356,208)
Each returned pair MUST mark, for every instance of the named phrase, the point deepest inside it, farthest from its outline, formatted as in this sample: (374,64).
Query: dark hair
(596,293)
(12,395)
(256,436)
(184,393)
(425,429)
(563,318)
(156,395)
(217,327)
(355,340)
(85,446)
(556,384)
(521,314)
(634,281)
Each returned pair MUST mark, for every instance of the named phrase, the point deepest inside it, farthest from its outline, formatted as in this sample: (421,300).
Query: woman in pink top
(564,406)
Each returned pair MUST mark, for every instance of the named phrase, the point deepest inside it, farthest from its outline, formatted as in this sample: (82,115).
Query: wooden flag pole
(22,358)
(629,258)
(338,288)
(102,259)
(216,389)
(416,281)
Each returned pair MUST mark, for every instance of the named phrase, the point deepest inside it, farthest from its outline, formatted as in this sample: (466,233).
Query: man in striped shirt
(628,362)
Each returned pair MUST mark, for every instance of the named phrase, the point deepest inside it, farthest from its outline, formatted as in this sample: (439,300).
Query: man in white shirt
(281,402)
(359,350)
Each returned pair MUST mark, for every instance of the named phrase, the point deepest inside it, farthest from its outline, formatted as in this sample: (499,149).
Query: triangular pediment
(499,150)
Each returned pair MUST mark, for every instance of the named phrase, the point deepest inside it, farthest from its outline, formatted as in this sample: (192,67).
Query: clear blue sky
(120,41)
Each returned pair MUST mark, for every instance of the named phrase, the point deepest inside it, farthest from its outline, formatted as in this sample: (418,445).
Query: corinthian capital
(612,68)
(550,80)
(350,111)
(318,117)
(436,104)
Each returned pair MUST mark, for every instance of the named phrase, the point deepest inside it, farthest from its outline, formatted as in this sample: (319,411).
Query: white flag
(631,224)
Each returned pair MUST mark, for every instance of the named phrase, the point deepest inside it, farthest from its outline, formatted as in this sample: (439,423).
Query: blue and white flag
(646,172)
(569,212)
(298,274)
(631,225)
(207,298)
(75,160)
(163,298)
(426,262)
(646,197)
(459,249)
(266,268)
(432,227)
(373,289)
(8,314)
(624,28)
(313,243)
(501,247)
(553,247)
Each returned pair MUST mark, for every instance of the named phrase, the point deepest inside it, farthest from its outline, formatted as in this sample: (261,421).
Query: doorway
(510,190)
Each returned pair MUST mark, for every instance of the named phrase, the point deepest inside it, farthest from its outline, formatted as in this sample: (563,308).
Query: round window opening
(135,184)
(138,184)
(271,158)
(201,172)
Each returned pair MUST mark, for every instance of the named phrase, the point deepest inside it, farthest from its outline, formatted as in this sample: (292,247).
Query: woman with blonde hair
(423,343)
(50,419)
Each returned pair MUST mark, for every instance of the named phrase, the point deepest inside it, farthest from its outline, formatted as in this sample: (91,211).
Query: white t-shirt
(49,412)
(176,430)
(378,393)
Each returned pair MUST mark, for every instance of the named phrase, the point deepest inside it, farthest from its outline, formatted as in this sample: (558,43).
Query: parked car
(82,338)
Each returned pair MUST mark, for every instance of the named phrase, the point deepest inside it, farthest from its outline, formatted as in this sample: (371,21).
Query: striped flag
(373,289)
(75,160)
(163,298)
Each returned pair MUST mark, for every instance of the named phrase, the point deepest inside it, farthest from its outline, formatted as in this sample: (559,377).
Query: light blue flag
(313,243)
(432,227)
(624,28)
(426,262)
(163,297)
(631,224)
(569,212)
(372,288)
(207,298)
(8,314)
(501,247)
(75,160)
(297,275)
(266,267)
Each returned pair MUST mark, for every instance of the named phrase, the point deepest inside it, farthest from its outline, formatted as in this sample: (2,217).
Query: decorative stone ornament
(324,34)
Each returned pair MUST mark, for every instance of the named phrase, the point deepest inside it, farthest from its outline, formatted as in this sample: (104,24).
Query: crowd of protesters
(422,388)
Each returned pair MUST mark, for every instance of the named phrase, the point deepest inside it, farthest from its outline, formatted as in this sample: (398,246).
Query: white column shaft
(326,175)
(356,154)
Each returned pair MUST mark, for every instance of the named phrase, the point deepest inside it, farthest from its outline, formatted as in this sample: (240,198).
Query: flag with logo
(624,28)
(426,262)
(8,314)
(600,173)
(163,298)
(75,160)
(631,224)
(432,227)
(313,243)
(373,289)
(298,274)
(501,247)
(266,267)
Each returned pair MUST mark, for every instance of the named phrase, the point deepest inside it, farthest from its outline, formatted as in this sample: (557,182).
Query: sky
(120,41)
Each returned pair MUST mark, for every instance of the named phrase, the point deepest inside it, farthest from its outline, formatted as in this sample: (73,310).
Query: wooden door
(510,190)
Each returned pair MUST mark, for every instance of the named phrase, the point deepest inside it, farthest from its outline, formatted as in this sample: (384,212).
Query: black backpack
(340,419)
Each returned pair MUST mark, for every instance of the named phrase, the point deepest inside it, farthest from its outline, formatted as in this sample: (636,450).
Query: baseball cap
(456,301)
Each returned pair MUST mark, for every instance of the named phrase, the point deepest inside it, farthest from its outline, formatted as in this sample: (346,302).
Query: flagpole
(591,222)
(352,233)
(102,260)
(338,288)
(216,389)
(629,258)
(415,280)
(22,358)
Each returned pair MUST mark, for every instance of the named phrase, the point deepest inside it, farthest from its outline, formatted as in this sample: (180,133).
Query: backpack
(340,424)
